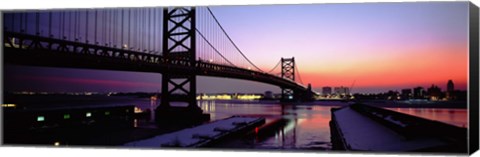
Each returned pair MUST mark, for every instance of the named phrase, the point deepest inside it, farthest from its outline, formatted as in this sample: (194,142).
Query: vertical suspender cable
(37,23)
(70,23)
(141,29)
(63,25)
(121,42)
(86,26)
(21,22)
(148,34)
(114,28)
(12,18)
(95,30)
(74,25)
(155,29)
(135,29)
(104,28)
(25,23)
(50,24)
(129,22)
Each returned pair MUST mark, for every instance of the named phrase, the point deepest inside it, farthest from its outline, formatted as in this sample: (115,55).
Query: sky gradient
(379,46)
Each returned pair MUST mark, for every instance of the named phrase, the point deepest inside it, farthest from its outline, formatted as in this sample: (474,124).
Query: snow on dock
(200,135)
(367,128)
(362,133)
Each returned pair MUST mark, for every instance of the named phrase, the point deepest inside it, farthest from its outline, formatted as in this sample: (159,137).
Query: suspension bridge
(180,43)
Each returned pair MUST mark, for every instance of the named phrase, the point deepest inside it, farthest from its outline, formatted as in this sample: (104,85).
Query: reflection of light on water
(456,117)
(208,107)
(137,110)
(135,123)
(291,125)
(153,102)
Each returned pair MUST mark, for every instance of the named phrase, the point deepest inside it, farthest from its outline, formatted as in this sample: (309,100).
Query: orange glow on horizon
(414,68)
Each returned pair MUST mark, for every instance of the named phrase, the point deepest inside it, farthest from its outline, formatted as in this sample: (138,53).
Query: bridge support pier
(179,44)
(288,72)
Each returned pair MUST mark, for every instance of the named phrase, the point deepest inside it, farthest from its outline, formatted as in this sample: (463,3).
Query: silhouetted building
(406,93)
(450,90)
(434,92)
(391,95)
(326,90)
(418,93)
(268,95)
(341,90)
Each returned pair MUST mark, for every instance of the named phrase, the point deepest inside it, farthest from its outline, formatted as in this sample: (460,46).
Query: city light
(248,97)
(9,105)
(89,114)
(56,144)
(66,116)
(229,97)
(40,118)
(137,110)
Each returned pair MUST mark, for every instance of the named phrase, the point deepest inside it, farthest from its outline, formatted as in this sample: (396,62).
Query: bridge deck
(43,51)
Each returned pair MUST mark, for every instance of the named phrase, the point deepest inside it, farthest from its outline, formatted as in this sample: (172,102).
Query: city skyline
(380,47)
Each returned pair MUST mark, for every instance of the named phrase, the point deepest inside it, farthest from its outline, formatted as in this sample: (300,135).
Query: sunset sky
(379,46)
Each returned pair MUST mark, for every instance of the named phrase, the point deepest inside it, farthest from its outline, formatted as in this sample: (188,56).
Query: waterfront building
(418,93)
(450,94)
(434,92)
(406,93)
(341,90)
(326,90)
(450,86)
(268,95)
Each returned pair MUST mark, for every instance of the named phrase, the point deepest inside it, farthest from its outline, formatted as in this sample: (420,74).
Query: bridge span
(128,40)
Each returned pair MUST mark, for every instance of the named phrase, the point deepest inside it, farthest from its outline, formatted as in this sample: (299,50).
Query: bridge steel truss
(179,44)
(288,72)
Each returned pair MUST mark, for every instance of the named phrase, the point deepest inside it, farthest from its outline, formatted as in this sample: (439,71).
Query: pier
(201,135)
(361,127)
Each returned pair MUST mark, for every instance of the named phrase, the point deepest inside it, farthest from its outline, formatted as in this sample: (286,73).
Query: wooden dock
(201,135)
(365,128)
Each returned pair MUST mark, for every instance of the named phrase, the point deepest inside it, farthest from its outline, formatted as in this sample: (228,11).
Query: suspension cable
(278,63)
(298,72)
(214,47)
(236,47)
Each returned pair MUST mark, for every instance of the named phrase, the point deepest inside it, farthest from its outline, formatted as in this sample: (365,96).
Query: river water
(307,126)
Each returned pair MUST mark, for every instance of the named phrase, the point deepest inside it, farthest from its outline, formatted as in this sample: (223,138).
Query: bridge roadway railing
(40,50)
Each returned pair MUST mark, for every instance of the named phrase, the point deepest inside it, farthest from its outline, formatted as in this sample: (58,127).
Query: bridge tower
(288,72)
(179,46)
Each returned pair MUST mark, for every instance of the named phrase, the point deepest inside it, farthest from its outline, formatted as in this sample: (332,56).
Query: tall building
(450,86)
(341,90)
(434,92)
(450,94)
(406,93)
(418,93)
(326,90)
